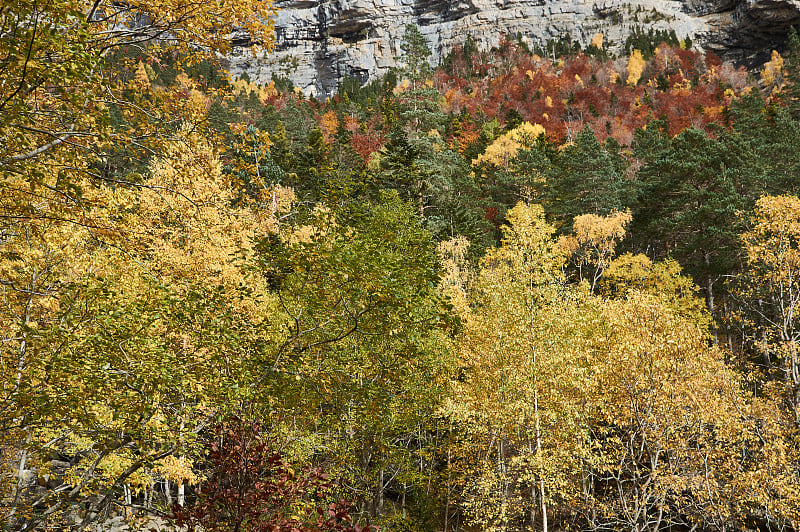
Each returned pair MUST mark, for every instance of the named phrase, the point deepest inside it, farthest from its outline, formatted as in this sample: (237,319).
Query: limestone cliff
(321,41)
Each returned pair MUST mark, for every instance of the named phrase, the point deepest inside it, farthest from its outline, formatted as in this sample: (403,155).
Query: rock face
(321,41)
(745,31)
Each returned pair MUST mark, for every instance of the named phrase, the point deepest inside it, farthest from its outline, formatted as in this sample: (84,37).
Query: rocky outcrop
(745,31)
(318,42)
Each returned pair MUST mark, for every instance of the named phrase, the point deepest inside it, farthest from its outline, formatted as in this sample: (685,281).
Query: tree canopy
(509,292)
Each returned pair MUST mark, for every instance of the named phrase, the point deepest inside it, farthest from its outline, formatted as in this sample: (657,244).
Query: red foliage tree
(251,487)
(365,143)
(681,86)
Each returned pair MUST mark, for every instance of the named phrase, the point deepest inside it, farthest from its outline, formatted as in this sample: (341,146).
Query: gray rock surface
(321,41)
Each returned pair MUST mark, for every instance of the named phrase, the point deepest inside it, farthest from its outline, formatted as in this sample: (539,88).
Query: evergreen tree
(398,167)
(792,67)
(585,178)
(690,202)
(418,103)
(773,136)
(416,55)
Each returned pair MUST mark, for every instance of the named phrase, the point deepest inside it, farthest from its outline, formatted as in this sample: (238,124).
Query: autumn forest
(525,289)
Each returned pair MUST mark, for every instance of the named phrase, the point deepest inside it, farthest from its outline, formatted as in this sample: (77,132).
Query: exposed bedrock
(321,41)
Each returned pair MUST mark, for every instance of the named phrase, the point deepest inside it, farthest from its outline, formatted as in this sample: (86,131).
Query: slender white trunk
(539,456)
(536,414)
(167,492)
(447,497)
(21,364)
(181,493)
(126,490)
(181,483)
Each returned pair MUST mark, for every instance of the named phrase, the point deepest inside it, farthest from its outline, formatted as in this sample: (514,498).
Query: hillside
(529,289)
(321,42)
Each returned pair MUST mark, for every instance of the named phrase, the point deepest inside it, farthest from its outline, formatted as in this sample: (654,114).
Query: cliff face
(322,41)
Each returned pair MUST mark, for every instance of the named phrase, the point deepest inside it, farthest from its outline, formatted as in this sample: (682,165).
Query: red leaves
(250,486)
(368,142)
(680,85)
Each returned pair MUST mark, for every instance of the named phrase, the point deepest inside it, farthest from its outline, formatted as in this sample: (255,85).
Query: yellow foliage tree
(772,73)
(637,273)
(635,67)
(592,245)
(241,87)
(115,335)
(329,125)
(141,78)
(58,68)
(673,426)
(620,409)
(771,291)
(506,146)
(512,460)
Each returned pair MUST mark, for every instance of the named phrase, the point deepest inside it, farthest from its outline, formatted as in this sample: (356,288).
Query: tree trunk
(167,493)
(126,490)
(539,456)
(378,504)
(21,364)
(536,414)
(447,496)
(181,494)
(709,286)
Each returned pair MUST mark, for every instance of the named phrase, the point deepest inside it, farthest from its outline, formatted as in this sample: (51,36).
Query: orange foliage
(365,143)
(329,124)
(681,86)
(467,137)
(351,123)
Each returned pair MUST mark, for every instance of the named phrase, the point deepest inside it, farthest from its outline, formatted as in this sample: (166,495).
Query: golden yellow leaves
(511,313)
(457,275)
(600,233)
(141,78)
(200,23)
(506,146)
(538,353)
(597,41)
(329,125)
(528,238)
(594,241)
(773,257)
(177,469)
(774,239)
(241,87)
(635,67)
(772,73)
(186,211)
(402,87)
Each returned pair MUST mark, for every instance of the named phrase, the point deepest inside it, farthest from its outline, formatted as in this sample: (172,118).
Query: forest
(524,290)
